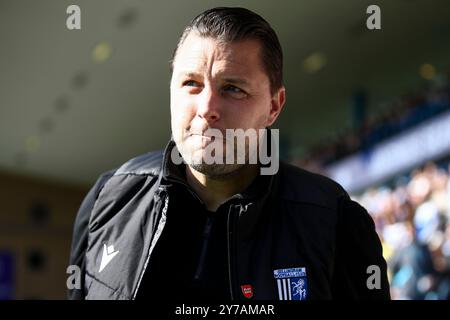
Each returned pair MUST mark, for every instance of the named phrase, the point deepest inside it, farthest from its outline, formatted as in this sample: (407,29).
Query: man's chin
(216,171)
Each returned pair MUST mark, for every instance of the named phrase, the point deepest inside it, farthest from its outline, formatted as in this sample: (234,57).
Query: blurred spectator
(412,217)
(412,268)
(413,223)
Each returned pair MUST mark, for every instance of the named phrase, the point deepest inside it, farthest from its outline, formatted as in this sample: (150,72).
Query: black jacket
(303,238)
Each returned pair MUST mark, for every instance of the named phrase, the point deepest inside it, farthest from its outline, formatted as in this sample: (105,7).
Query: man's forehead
(198,53)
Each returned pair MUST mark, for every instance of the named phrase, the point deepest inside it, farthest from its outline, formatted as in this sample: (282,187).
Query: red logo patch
(247,290)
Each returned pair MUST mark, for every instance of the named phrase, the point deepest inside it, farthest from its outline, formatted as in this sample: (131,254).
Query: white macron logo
(108,255)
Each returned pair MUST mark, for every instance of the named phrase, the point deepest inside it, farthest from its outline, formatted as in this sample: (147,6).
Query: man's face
(220,86)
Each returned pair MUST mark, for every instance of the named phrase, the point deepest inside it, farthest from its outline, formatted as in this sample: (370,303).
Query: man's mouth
(204,136)
(204,140)
(201,135)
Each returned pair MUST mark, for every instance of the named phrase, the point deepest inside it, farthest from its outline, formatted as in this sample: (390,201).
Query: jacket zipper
(153,243)
(155,240)
(230,230)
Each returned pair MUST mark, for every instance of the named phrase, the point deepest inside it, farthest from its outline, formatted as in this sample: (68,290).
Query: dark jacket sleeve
(360,271)
(80,233)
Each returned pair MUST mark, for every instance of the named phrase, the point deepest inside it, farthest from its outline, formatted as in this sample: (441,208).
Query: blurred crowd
(412,213)
(412,219)
(400,114)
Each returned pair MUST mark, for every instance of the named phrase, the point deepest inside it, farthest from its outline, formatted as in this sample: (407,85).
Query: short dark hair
(228,24)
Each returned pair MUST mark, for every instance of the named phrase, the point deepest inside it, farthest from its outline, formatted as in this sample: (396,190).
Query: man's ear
(276,105)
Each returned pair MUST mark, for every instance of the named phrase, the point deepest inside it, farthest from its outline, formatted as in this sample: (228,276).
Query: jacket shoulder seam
(131,173)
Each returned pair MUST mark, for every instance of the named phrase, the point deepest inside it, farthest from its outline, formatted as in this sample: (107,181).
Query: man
(198,230)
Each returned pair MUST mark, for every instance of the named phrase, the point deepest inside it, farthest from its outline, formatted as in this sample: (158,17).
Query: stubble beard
(218,171)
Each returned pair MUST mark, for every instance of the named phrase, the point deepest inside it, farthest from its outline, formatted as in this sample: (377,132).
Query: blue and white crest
(292,283)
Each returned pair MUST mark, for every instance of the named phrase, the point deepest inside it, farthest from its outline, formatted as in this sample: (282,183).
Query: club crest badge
(292,283)
(247,291)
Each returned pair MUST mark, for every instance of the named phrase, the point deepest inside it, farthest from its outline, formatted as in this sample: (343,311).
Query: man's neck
(215,191)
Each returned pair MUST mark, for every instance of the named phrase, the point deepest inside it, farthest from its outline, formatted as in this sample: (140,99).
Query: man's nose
(208,105)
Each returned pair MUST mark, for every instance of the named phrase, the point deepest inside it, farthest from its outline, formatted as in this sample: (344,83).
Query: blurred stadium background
(370,109)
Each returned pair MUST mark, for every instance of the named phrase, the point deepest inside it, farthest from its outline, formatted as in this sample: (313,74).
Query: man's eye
(190,83)
(233,89)
(235,92)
